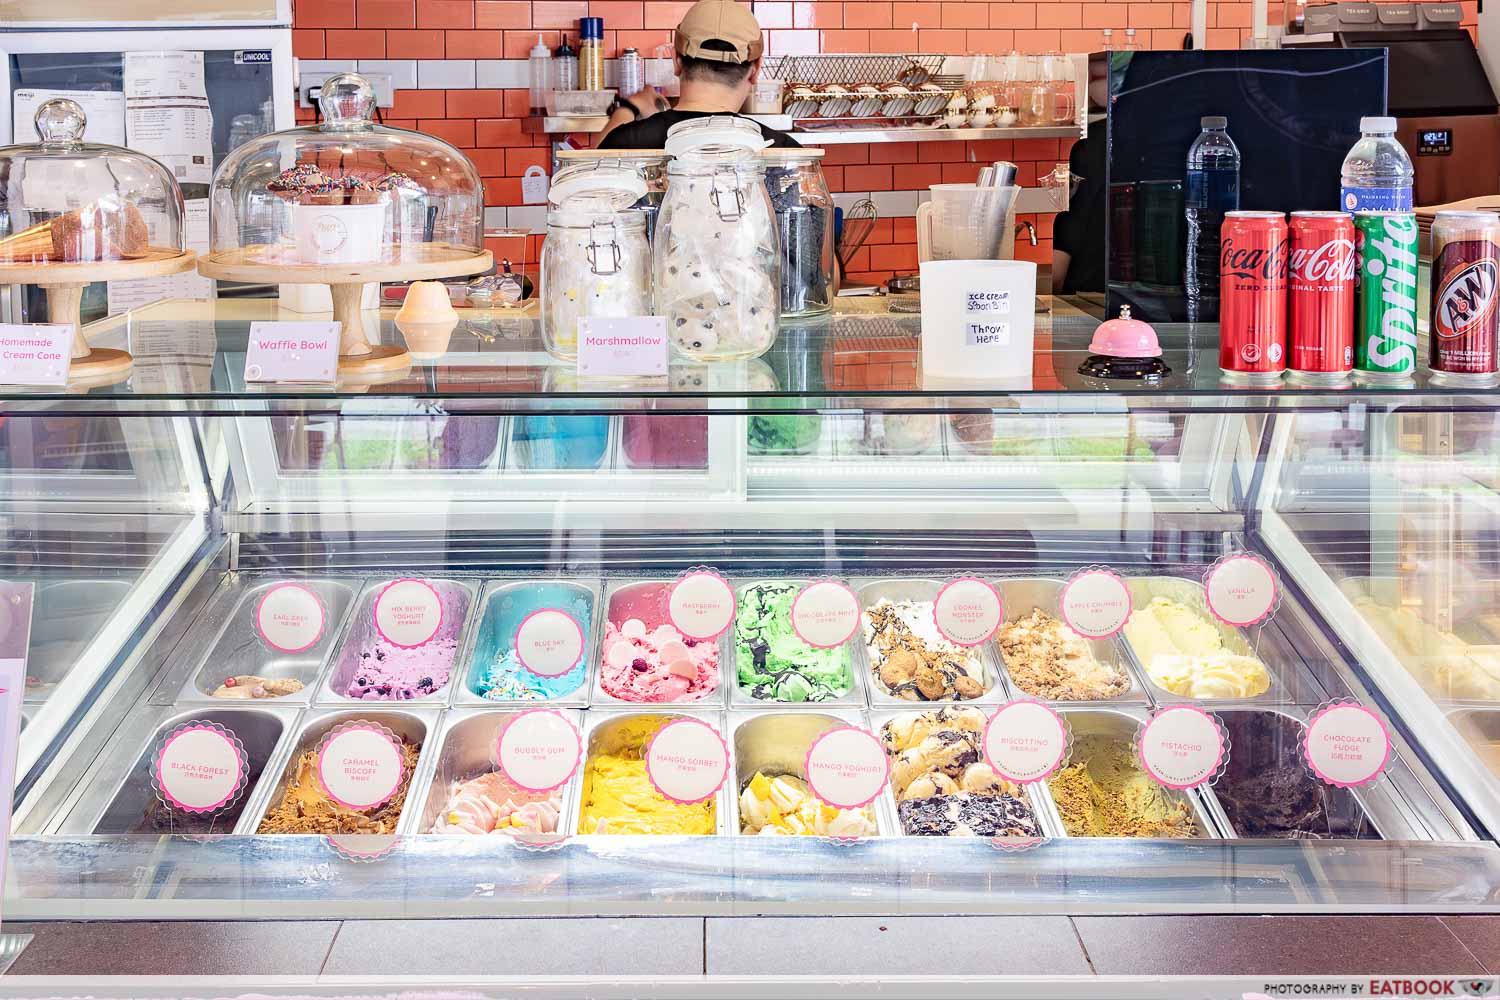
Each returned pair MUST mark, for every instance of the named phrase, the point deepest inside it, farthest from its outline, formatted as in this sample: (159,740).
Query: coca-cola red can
(1252,297)
(1320,293)
(1465,299)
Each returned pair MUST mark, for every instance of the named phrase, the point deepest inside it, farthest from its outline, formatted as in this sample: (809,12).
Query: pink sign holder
(1183,747)
(362,848)
(687,761)
(701,604)
(846,768)
(411,607)
(360,765)
(1095,602)
(548,642)
(285,612)
(1026,741)
(1346,744)
(968,611)
(200,767)
(1241,589)
(539,750)
(825,614)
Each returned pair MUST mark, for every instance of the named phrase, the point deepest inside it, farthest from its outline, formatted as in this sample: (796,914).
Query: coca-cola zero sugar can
(1320,298)
(1252,297)
(1465,272)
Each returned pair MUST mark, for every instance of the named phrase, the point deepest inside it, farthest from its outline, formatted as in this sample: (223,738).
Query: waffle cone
(29,246)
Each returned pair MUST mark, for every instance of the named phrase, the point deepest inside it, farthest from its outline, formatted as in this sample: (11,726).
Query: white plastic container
(978,319)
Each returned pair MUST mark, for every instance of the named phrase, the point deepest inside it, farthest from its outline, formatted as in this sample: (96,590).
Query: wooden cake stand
(64,282)
(418,261)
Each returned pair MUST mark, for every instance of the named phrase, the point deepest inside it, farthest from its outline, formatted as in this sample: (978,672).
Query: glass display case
(291,565)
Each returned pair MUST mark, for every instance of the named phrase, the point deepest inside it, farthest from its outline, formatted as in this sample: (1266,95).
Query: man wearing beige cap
(718,47)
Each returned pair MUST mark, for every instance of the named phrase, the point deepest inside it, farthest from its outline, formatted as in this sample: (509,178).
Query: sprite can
(1385,327)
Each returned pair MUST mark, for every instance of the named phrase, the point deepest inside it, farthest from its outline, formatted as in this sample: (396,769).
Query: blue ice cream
(495,672)
(543,442)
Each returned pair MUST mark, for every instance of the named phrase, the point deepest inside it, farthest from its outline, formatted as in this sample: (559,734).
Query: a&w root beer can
(1465,274)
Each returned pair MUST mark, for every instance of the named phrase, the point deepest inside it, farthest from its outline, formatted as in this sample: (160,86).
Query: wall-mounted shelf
(833,137)
(563,124)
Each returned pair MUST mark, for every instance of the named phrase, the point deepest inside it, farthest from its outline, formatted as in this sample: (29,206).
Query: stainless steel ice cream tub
(1035,794)
(361,635)
(67,617)
(503,605)
(1024,595)
(776,743)
(541,443)
(613,731)
(741,698)
(1121,724)
(238,648)
(414,725)
(467,748)
(637,598)
(871,593)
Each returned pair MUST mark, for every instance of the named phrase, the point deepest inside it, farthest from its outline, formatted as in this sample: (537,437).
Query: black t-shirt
(1080,230)
(651,133)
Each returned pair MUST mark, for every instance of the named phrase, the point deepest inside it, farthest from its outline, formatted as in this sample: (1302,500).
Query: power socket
(311,85)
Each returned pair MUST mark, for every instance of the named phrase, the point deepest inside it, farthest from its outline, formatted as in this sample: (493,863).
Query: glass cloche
(67,201)
(347,192)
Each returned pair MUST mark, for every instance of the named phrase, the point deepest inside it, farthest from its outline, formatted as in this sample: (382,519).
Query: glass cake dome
(346,191)
(66,201)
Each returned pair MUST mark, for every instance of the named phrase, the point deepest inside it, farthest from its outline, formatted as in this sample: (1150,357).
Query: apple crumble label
(1095,603)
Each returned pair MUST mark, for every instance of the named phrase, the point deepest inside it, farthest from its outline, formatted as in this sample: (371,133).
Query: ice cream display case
(801,634)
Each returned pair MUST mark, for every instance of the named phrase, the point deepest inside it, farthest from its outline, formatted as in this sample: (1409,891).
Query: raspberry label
(549,642)
(687,761)
(289,618)
(1242,590)
(539,750)
(825,614)
(408,613)
(968,611)
(1182,747)
(1347,745)
(1095,603)
(701,605)
(1025,742)
(200,768)
(360,765)
(846,768)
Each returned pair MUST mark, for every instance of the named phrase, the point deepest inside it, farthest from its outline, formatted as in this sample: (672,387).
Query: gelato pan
(783,433)
(1048,660)
(1183,652)
(566,442)
(254,687)
(644,659)
(491,803)
(495,673)
(1104,792)
(618,797)
(371,668)
(895,433)
(770,754)
(910,658)
(1444,664)
(1480,728)
(665,441)
(772,662)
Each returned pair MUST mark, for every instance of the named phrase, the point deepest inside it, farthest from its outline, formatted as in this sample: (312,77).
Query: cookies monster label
(687,761)
(1183,747)
(549,642)
(200,768)
(968,611)
(1346,744)
(360,765)
(701,605)
(1242,589)
(1095,603)
(825,614)
(1025,742)
(846,768)
(408,613)
(539,750)
(289,618)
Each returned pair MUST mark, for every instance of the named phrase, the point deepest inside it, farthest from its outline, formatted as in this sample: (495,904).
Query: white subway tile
(320,69)
(494,218)
(403,71)
(893,204)
(848,199)
(502,74)
(445,74)
(532,217)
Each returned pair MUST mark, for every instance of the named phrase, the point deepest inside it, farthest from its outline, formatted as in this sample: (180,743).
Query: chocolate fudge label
(539,750)
(987,301)
(360,765)
(968,611)
(549,642)
(289,618)
(1183,747)
(687,761)
(1346,744)
(825,614)
(408,613)
(1095,602)
(992,333)
(35,354)
(622,346)
(200,768)
(846,768)
(292,352)
(701,604)
(1025,742)
(1242,589)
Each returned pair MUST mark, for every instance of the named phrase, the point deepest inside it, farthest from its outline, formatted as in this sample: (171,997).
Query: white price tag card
(408,613)
(1095,603)
(1347,745)
(35,354)
(701,604)
(687,761)
(200,768)
(1025,742)
(630,346)
(1242,589)
(360,765)
(549,642)
(539,750)
(1183,747)
(292,352)
(967,611)
(846,768)
(825,614)
(289,618)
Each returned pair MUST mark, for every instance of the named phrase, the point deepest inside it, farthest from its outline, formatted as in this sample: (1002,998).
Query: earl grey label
(997,303)
(986,334)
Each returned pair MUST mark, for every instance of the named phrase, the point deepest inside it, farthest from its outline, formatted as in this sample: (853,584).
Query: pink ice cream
(490,803)
(645,659)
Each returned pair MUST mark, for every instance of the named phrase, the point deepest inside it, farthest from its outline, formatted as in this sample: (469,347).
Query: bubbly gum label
(701,605)
(200,768)
(825,614)
(1347,745)
(687,761)
(846,768)
(289,618)
(408,613)
(1241,590)
(360,766)
(539,750)
(549,642)
(1025,742)
(968,611)
(1182,747)
(1096,603)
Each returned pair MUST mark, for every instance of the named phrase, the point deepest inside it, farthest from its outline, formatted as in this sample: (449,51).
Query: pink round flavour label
(289,618)
(1241,590)
(687,761)
(362,846)
(1095,603)
(1025,741)
(200,768)
(1182,747)
(1347,745)
(846,767)
(968,611)
(408,613)
(701,605)
(539,750)
(549,642)
(825,614)
(360,766)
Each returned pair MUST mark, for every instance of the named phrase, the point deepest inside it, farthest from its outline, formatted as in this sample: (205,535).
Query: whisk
(859,221)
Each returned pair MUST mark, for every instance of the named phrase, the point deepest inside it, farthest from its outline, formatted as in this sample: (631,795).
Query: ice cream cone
(29,246)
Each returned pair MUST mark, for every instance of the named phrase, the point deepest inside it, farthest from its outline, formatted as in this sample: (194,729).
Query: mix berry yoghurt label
(549,642)
(701,605)
(408,613)
(846,768)
(289,618)
(539,750)
(968,611)
(1025,742)
(1242,589)
(687,761)
(200,768)
(1095,603)
(1183,747)
(1346,745)
(360,765)
(825,614)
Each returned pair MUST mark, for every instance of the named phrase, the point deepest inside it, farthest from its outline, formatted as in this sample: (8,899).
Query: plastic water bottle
(1377,174)
(1213,188)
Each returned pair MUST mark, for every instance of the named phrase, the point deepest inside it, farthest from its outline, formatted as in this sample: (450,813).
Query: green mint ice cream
(775,665)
